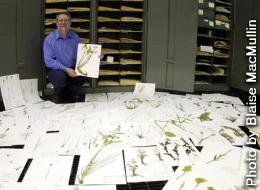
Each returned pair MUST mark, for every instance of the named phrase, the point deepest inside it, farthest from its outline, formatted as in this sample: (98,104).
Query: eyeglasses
(65,20)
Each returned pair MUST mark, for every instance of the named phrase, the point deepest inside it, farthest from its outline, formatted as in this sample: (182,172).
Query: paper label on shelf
(211,5)
(206,49)
(110,59)
(211,23)
(200,11)
(218,22)
(200,1)
(227,25)
(206,20)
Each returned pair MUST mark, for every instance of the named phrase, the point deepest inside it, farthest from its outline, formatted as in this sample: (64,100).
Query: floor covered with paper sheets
(124,140)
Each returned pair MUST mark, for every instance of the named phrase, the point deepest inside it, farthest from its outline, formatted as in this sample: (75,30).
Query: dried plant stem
(217,157)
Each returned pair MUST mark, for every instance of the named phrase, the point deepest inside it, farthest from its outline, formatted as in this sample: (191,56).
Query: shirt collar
(57,34)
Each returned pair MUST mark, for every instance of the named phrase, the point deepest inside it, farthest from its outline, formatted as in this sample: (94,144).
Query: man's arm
(50,57)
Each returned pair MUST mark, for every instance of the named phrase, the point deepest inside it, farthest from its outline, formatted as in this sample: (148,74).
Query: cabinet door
(171,44)
(8,37)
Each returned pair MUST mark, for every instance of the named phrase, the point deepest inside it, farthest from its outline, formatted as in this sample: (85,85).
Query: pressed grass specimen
(94,164)
(85,58)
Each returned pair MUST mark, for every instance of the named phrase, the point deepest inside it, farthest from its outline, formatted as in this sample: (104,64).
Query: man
(60,52)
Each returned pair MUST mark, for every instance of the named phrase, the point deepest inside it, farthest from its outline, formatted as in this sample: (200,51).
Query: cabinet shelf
(214,26)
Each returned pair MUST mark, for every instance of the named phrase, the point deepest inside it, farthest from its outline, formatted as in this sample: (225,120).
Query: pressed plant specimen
(158,154)
(37,144)
(46,176)
(140,133)
(131,104)
(175,150)
(210,188)
(141,154)
(111,138)
(218,157)
(189,148)
(205,117)
(167,142)
(154,105)
(88,52)
(237,132)
(179,106)
(203,138)
(65,141)
(3,135)
(133,167)
(162,127)
(230,118)
(241,188)
(67,108)
(26,135)
(182,185)
(185,170)
(118,96)
(141,88)
(180,120)
(226,136)
(199,181)
(94,164)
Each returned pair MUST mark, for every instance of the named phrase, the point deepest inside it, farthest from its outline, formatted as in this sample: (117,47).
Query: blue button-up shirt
(60,53)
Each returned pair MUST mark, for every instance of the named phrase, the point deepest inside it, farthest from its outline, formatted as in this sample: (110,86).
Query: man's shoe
(74,98)
(56,99)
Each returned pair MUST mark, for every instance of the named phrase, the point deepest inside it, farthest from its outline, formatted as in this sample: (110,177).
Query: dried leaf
(169,134)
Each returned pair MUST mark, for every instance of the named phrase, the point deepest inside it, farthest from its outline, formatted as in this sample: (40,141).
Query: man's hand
(101,56)
(71,72)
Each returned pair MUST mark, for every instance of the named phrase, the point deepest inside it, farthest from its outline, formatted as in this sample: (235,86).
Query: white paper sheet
(175,150)
(225,157)
(12,163)
(88,61)
(144,89)
(188,177)
(99,97)
(11,91)
(145,164)
(105,166)
(30,90)
(50,170)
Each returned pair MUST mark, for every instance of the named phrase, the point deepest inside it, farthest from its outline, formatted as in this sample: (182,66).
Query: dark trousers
(63,84)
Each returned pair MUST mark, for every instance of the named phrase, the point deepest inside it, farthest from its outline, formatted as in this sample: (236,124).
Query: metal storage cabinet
(171,44)
(21,34)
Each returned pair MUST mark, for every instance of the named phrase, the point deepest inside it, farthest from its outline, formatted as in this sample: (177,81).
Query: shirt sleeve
(50,58)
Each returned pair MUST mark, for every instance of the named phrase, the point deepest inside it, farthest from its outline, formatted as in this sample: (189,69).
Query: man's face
(63,23)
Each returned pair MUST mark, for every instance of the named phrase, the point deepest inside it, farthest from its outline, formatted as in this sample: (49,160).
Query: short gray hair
(63,13)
